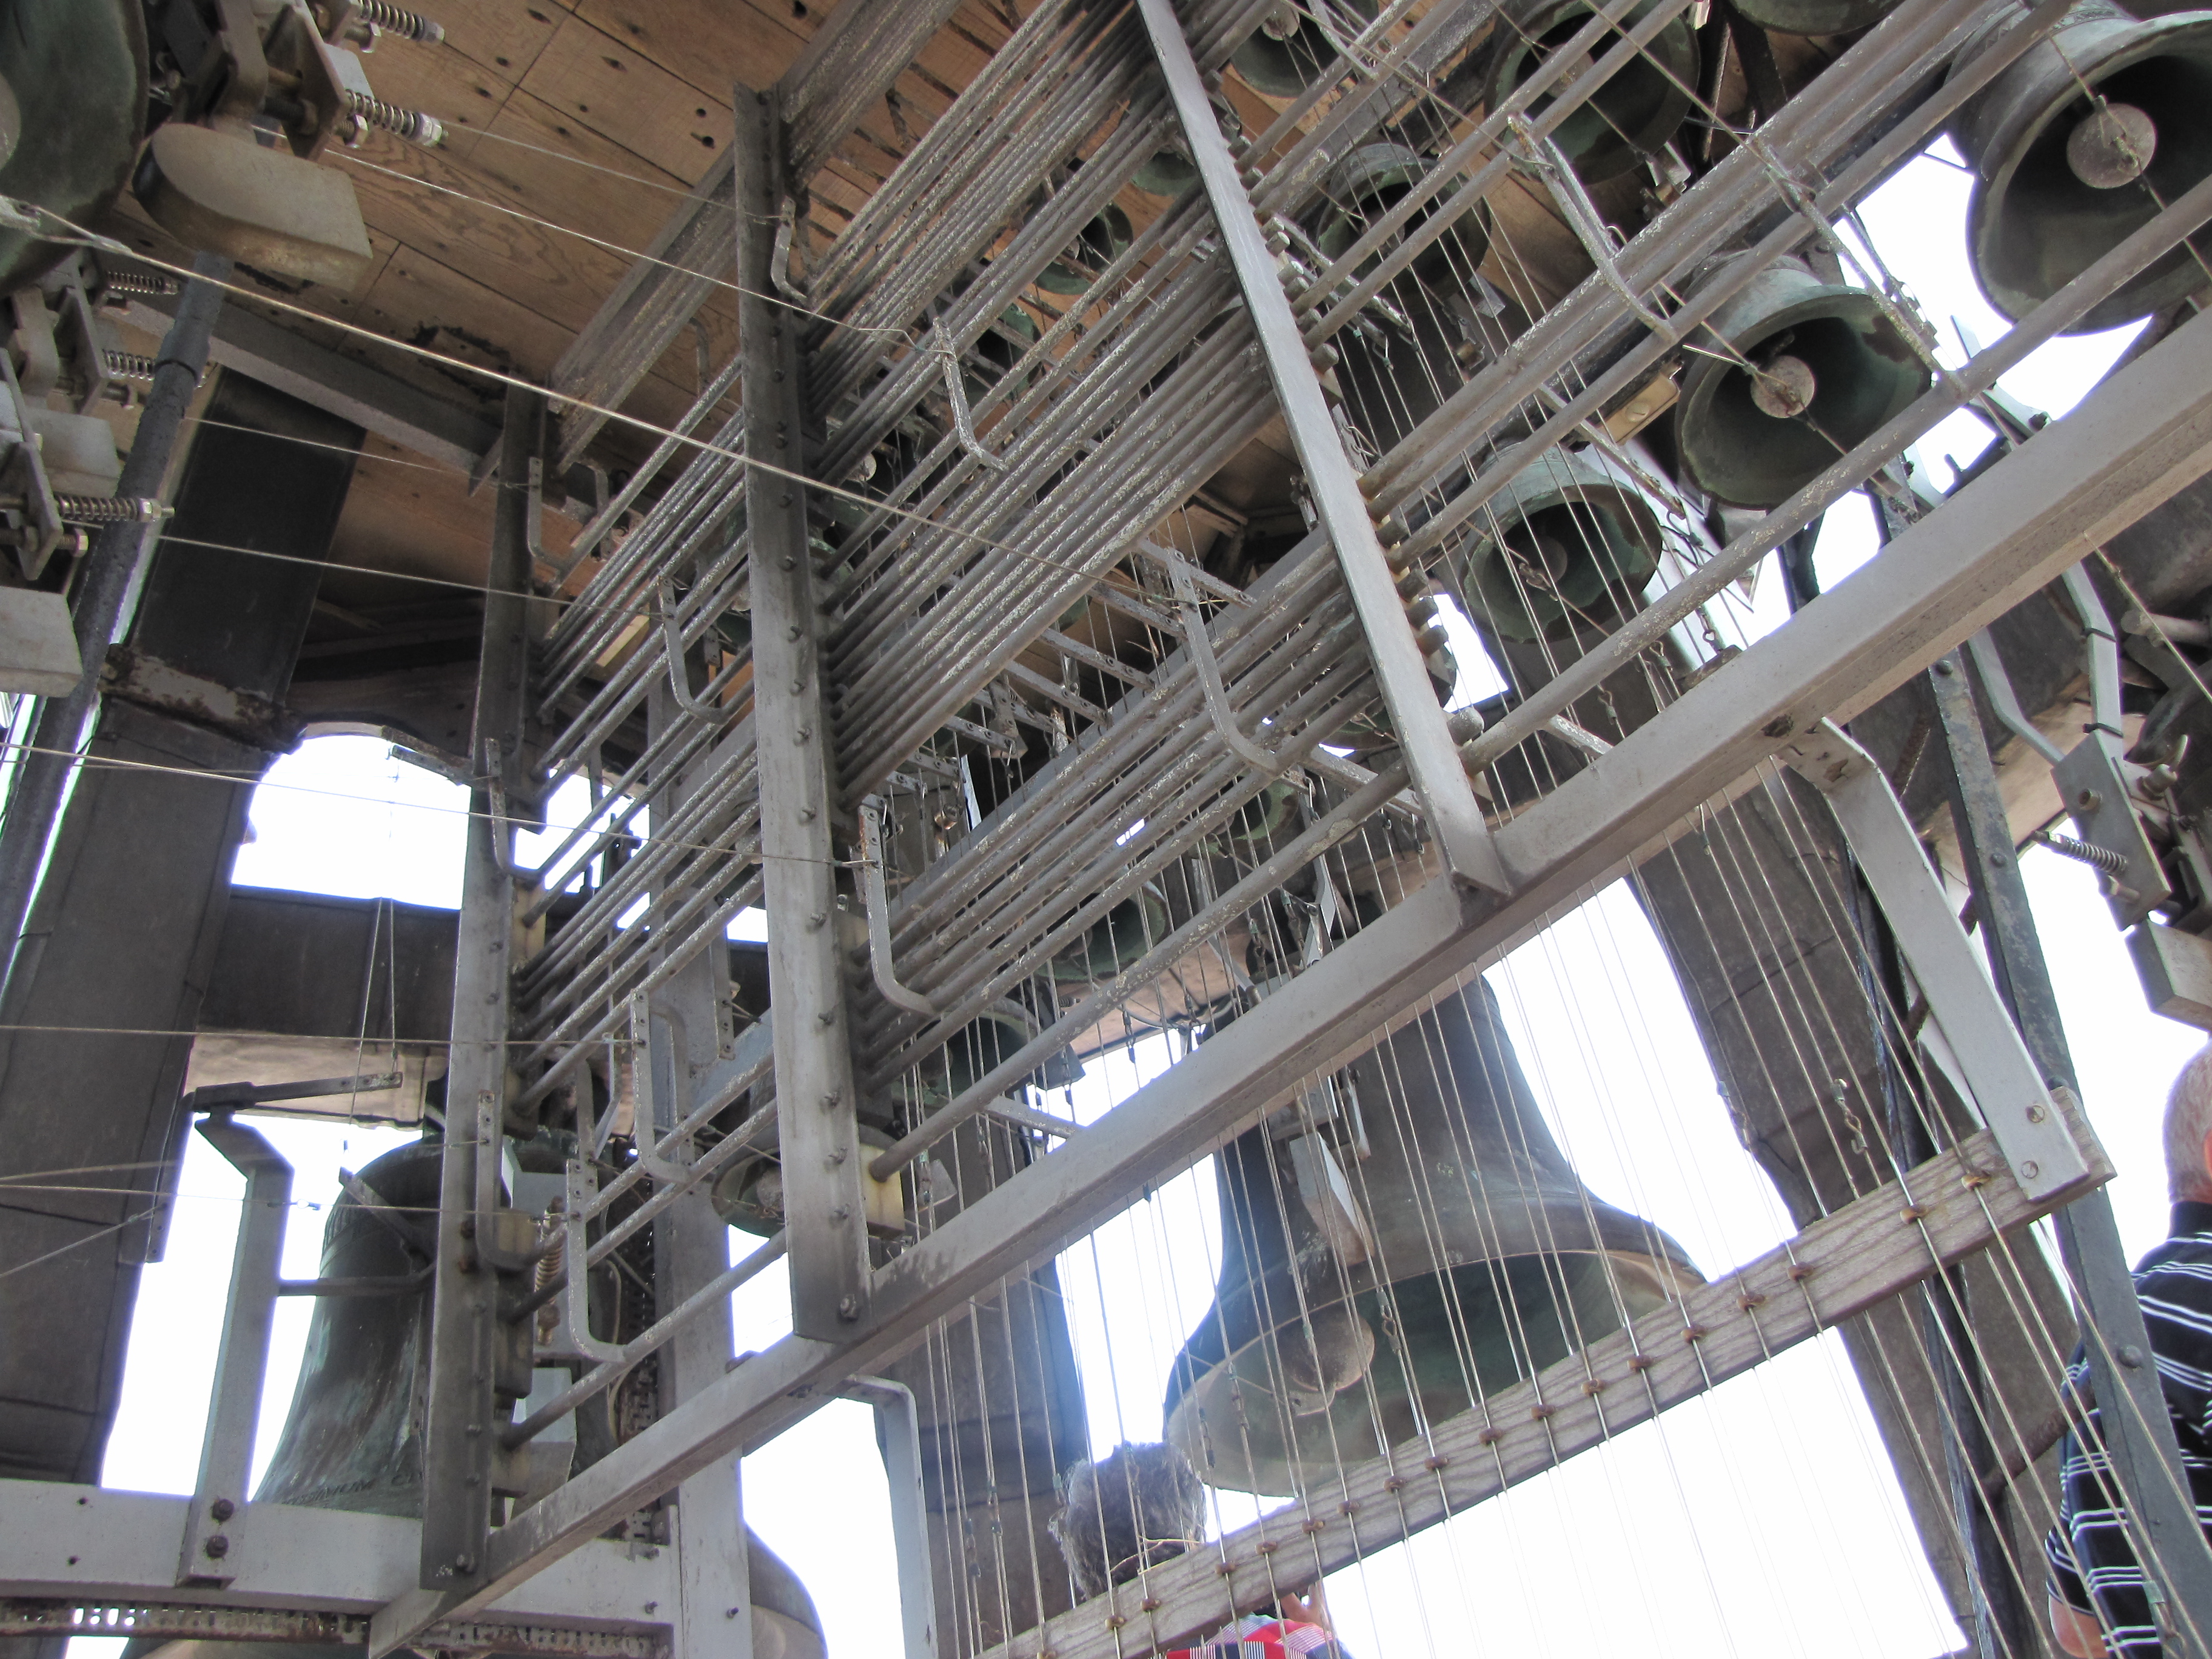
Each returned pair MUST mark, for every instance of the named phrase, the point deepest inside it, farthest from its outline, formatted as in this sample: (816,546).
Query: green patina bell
(1116,940)
(73,74)
(1370,181)
(1170,172)
(2058,181)
(1629,117)
(1572,541)
(1104,241)
(1289,51)
(1393,1253)
(1786,376)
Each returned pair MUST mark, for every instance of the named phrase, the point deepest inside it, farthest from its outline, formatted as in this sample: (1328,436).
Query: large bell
(1569,542)
(73,76)
(2060,176)
(1104,238)
(1809,369)
(1620,123)
(353,1439)
(1361,1301)
(1370,181)
(1289,51)
(1116,939)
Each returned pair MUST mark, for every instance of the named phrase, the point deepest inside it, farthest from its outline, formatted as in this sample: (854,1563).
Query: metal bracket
(1200,646)
(879,913)
(898,1431)
(219,1496)
(2014,1100)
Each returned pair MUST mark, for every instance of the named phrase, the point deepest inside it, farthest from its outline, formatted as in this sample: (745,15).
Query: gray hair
(1140,1507)
(2188,1121)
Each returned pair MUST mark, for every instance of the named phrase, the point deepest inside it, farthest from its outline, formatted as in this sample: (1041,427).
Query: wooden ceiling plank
(709,44)
(591,76)
(450,216)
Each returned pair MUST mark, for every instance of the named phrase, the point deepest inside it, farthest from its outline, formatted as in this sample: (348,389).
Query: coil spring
(396,19)
(128,366)
(149,284)
(102,510)
(2111,863)
(411,125)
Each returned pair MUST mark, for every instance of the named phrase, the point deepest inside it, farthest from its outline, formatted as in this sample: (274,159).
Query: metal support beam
(1431,757)
(396,410)
(464,1428)
(823,1214)
(219,1511)
(2142,435)
(898,1432)
(2138,1432)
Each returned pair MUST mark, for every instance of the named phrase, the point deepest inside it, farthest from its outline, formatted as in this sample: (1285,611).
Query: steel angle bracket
(2016,1103)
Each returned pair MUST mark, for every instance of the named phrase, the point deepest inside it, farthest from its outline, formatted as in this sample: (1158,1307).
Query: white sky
(1718,1529)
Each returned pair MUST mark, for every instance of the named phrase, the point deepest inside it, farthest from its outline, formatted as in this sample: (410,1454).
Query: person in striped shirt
(1144,1505)
(2099,1602)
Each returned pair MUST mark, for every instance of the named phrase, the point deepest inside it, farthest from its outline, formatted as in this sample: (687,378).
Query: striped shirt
(1255,1636)
(2094,1568)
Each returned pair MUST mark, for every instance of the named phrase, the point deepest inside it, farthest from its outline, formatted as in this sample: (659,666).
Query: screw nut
(216,1547)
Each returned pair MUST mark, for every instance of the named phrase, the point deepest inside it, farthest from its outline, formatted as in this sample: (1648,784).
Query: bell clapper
(1280,23)
(1784,387)
(2112,146)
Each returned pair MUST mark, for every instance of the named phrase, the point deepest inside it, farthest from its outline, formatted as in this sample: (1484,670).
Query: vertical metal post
(898,1432)
(213,1524)
(824,1218)
(1431,757)
(688,1027)
(111,576)
(463,1425)
(2138,1433)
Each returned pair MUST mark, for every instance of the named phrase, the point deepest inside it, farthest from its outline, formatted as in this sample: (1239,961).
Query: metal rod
(104,589)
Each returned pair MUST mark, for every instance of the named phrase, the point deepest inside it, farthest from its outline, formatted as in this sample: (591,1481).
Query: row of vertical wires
(1546,1154)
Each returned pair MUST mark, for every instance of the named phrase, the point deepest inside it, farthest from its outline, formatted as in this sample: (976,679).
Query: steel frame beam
(1454,816)
(464,1427)
(826,1220)
(2140,437)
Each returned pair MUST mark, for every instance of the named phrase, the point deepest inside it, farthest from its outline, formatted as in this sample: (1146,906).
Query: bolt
(1998,860)
(789,563)
(842,1213)
(1943,668)
(805,732)
(848,1307)
(2035,1114)
(464,1564)
(792,632)
(2029,1170)
(806,815)
(834,1159)
(222,1508)
(827,1016)
(2130,1356)
(216,1548)
(2089,801)
(818,919)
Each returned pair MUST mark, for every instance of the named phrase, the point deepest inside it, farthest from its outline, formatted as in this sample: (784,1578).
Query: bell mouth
(1442,1342)
(1749,441)
(2034,222)
(1562,554)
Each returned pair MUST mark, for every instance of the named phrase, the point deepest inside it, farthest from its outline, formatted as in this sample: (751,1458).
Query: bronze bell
(1289,51)
(353,1439)
(1804,371)
(1629,117)
(1370,181)
(1405,1240)
(1572,541)
(2059,178)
